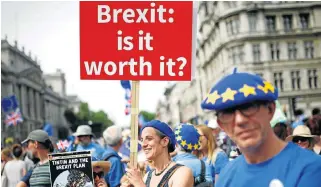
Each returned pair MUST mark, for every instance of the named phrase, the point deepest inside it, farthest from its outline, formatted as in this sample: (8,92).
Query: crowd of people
(238,149)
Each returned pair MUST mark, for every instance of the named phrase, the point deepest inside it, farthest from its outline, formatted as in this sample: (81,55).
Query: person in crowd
(100,169)
(314,124)
(280,129)
(158,141)
(302,137)
(16,168)
(6,156)
(210,152)
(316,112)
(39,142)
(245,104)
(84,135)
(299,118)
(188,140)
(113,139)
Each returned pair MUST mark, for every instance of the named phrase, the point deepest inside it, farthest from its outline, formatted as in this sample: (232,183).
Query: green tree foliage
(85,114)
(148,116)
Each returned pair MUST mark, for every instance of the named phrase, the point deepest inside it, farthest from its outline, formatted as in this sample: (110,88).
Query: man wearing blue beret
(158,141)
(244,106)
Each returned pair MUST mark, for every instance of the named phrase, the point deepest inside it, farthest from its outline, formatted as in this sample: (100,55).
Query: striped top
(40,176)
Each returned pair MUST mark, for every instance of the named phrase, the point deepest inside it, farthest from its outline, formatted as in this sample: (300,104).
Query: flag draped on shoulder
(127,87)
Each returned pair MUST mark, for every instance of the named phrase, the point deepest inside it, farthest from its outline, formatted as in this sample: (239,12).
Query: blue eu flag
(9,103)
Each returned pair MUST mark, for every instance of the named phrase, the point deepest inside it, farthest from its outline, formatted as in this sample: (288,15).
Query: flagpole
(134,123)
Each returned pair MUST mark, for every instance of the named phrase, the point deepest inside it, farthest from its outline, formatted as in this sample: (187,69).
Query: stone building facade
(278,40)
(22,76)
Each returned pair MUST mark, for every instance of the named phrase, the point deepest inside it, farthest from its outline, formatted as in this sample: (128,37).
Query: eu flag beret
(187,136)
(163,128)
(239,88)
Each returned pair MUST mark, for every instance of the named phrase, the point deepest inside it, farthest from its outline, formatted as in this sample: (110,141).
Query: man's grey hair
(113,135)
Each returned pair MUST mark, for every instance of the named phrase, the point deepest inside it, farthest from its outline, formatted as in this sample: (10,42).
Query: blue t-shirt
(220,162)
(292,167)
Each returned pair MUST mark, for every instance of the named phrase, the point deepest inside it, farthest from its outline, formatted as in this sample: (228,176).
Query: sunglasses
(300,139)
(99,174)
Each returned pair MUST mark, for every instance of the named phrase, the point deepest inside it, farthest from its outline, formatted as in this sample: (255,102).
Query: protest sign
(71,169)
(140,40)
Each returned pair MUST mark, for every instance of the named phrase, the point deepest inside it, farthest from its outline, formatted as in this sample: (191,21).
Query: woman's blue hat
(187,136)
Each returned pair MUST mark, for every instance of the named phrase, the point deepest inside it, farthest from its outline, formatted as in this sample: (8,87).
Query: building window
(236,54)
(313,78)
(270,23)
(287,22)
(275,51)
(278,80)
(256,52)
(304,20)
(292,50)
(252,21)
(308,49)
(295,77)
(233,25)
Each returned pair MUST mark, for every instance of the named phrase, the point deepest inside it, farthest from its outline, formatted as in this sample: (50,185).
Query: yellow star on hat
(247,90)
(178,138)
(267,87)
(177,132)
(196,146)
(212,97)
(228,95)
(183,143)
(189,146)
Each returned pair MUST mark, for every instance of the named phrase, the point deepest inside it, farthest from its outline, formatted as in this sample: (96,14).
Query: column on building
(38,106)
(31,101)
(24,100)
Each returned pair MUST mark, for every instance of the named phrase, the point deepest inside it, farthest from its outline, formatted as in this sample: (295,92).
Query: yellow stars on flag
(179,127)
(212,97)
(177,132)
(267,87)
(183,143)
(228,95)
(189,146)
(247,90)
(178,138)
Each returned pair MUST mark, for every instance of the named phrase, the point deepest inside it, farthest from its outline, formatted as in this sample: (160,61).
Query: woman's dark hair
(170,147)
(17,150)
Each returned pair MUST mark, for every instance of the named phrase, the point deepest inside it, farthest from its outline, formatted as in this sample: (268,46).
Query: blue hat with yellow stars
(239,88)
(187,136)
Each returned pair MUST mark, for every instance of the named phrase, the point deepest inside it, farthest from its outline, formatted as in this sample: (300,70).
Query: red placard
(136,40)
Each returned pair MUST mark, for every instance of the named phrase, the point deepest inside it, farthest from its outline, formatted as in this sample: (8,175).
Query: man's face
(84,140)
(247,125)
(152,144)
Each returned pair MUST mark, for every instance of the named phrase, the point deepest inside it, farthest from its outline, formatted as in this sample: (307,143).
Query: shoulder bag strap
(149,177)
(168,175)
(203,169)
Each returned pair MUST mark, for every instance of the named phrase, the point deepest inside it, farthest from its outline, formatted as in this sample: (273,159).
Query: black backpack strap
(203,169)
(149,177)
(168,174)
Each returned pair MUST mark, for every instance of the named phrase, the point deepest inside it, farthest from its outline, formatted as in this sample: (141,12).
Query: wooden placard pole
(134,123)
